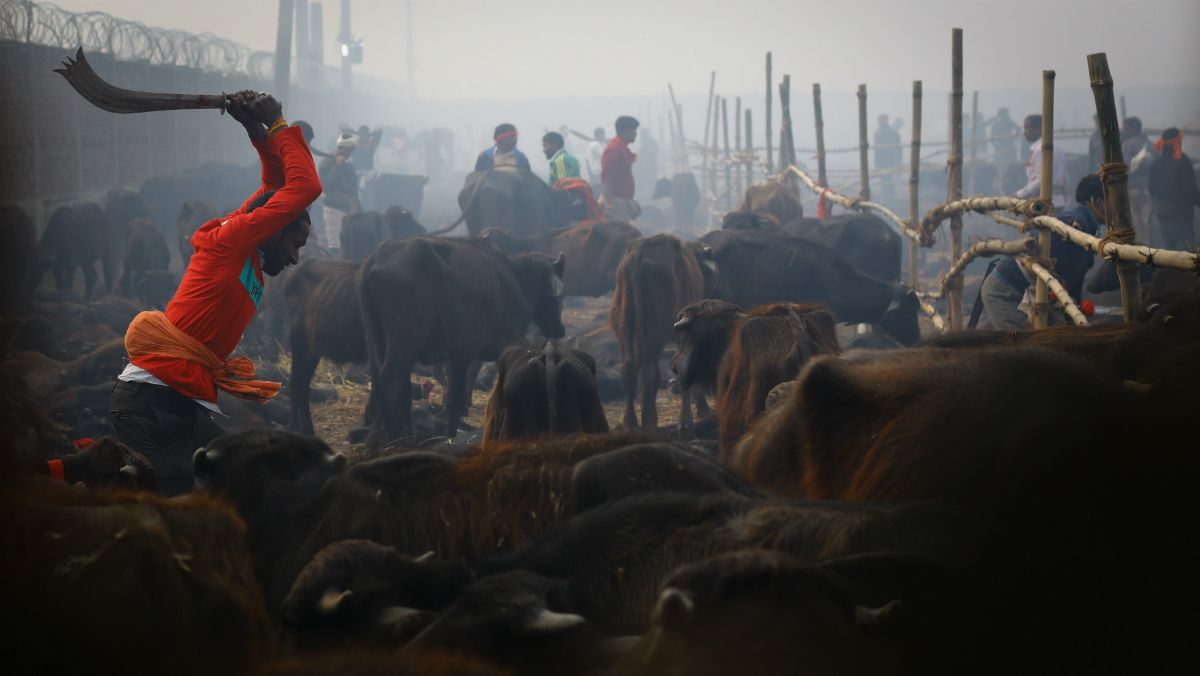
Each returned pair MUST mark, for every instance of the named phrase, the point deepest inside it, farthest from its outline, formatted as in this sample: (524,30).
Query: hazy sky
(536,48)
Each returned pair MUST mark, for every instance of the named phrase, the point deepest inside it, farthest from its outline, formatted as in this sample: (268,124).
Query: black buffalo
(863,240)
(514,200)
(447,301)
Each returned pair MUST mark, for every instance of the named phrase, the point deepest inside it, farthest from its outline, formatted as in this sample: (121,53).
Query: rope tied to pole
(1117,170)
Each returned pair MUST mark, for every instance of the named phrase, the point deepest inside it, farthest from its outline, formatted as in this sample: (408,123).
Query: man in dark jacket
(1005,284)
(1174,192)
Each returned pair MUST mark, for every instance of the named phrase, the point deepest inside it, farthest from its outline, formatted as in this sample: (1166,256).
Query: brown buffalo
(102,568)
(592,252)
(145,252)
(775,198)
(657,276)
(743,356)
(540,392)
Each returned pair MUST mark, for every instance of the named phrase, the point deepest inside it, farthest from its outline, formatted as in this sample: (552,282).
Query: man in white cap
(340,179)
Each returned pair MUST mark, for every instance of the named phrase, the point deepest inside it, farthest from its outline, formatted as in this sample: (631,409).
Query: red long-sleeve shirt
(616,168)
(223,284)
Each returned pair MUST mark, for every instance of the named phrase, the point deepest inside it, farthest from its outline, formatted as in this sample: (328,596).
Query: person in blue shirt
(1005,283)
(504,153)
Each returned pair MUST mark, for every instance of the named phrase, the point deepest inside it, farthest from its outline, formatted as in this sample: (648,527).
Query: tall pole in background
(283,49)
(914,184)
(1041,291)
(737,137)
(770,141)
(303,50)
(974,142)
(728,169)
(864,175)
(954,305)
(819,121)
(317,44)
(344,38)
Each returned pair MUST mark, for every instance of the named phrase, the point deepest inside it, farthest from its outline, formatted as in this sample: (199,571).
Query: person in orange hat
(1174,192)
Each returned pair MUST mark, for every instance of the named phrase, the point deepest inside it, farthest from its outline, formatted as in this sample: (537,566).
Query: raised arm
(298,189)
(272,165)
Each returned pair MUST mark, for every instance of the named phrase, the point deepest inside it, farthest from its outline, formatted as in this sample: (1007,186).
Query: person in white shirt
(1033,167)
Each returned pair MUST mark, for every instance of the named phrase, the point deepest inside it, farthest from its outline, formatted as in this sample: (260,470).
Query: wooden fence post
(787,146)
(954,305)
(770,141)
(728,168)
(972,188)
(708,114)
(914,184)
(749,150)
(1041,297)
(820,125)
(737,139)
(1115,175)
(864,173)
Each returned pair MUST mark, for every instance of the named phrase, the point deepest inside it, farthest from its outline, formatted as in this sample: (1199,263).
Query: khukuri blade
(103,95)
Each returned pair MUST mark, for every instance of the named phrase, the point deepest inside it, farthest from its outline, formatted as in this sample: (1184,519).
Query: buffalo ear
(333,600)
(560,264)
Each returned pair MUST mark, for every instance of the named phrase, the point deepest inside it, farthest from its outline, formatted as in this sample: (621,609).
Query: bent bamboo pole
(853,202)
(934,317)
(986,248)
(980,205)
(1061,296)
(1133,253)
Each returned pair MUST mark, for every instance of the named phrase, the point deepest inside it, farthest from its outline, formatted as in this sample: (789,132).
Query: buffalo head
(900,318)
(541,278)
(704,332)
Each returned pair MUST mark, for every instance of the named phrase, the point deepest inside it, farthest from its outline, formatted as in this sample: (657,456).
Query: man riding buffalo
(163,400)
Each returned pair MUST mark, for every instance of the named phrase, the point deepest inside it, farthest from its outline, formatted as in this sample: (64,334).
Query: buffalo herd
(975,502)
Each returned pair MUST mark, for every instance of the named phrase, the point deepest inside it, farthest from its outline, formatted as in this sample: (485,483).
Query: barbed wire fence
(49,25)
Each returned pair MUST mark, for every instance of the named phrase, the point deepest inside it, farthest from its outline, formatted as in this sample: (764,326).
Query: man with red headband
(162,403)
(1173,188)
(504,153)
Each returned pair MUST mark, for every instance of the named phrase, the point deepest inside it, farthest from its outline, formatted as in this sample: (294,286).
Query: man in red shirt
(616,173)
(162,403)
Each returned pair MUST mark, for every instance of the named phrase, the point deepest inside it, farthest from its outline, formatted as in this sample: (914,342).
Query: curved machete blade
(103,95)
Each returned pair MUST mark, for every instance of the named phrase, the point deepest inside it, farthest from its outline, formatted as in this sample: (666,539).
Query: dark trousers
(164,426)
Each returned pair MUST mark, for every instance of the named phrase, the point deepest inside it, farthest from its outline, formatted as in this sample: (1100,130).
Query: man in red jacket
(163,400)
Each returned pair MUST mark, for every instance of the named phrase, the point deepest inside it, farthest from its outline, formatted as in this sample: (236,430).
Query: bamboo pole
(708,113)
(1041,290)
(984,249)
(971,186)
(1138,254)
(770,141)
(954,175)
(914,184)
(787,149)
(1115,175)
(981,205)
(854,202)
(819,119)
(737,140)
(864,172)
(749,150)
(728,172)
(712,178)
(934,317)
(1061,296)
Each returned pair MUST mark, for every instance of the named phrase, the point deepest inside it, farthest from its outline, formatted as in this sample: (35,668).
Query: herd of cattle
(979,502)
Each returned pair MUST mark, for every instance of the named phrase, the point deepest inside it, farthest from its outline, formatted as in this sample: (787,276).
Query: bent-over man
(163,401)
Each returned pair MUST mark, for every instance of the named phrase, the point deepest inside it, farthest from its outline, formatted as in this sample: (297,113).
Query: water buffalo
(514,200)
(77,236)
(447,301)
(758,267)
(684,194)
(145,252)
(657,276)
(543,391)
(19,270)
(775,198)
(863,240)
(748,353)
(591,251)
